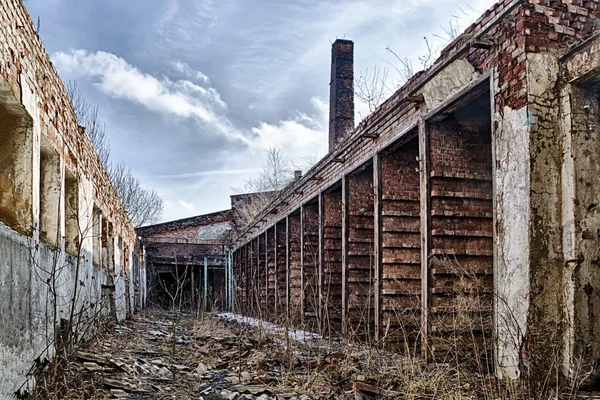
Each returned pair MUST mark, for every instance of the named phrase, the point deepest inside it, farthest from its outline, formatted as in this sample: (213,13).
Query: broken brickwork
(68,249)
(190,250)
(467,202)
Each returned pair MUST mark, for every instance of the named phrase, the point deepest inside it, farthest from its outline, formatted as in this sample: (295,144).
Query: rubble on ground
(225,357)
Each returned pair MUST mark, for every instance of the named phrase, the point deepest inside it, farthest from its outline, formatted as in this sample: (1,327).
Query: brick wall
(461,280)
(282,272)
(361,267)
(310,266)
(24,63)
(332,260)
(401,246)
(295,266)
(272,274)
(186,228)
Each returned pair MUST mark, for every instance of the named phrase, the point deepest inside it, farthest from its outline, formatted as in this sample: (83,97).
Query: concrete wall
(51,181)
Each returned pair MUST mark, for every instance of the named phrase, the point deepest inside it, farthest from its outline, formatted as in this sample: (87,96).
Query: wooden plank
(345,230)
(424,161)
(377,242)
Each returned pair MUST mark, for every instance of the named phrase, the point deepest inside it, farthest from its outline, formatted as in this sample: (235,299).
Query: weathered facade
(191,252)
(68,253)
(464,208)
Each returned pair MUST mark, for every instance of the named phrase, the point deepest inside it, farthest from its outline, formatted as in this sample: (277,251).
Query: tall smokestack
(341,91)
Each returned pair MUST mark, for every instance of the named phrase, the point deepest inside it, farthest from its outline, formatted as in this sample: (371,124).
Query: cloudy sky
(193,91)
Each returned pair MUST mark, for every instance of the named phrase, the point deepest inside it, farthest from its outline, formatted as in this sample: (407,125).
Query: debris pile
(185,356)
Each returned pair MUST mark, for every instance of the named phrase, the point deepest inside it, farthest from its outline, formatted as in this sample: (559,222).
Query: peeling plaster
(448,82)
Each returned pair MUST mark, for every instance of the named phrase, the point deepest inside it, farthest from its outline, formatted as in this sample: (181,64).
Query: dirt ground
(209,356)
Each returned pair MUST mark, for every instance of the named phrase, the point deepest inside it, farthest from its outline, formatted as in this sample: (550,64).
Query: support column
(377,243)
(302,261)
(206,302)
(287,266)
(276,267)
(321,260)
(345,255)
(424,168)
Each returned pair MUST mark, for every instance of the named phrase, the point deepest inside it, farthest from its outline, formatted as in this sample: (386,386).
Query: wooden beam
(424,167)
(321,257)
(483,42)
(377,240)
(345,254)
(416,98)
(370,135)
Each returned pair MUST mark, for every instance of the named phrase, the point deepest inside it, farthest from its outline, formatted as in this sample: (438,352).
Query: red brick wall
(401,245)
(262,276)
(461,281)
(295,272)
(184,228)
(332,260)
(310,270)
(281,270)
(361,268)
(272,277)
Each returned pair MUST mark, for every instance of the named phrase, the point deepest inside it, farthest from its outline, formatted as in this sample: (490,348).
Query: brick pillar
(341,91)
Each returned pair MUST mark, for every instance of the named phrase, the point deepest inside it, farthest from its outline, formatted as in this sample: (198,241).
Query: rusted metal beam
(345,229)
(377,238)
(424,167)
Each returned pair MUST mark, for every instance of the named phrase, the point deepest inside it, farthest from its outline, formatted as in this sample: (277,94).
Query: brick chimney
(341,91)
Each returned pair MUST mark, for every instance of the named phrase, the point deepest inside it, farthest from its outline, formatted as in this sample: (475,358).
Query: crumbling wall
(46,234)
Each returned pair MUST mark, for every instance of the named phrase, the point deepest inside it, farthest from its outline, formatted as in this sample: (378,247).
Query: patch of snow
(294,334)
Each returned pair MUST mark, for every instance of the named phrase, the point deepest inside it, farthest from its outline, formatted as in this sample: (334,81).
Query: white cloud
(190,73)
(187,206)
(299,137)
(303,135)
(223,172)
(119,79)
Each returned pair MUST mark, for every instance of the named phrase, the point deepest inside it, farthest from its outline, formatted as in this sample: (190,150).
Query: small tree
(275,174)
(143,206)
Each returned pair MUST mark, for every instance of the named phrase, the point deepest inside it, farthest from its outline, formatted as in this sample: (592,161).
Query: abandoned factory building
(192,253)
(464,211)
(463,215)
